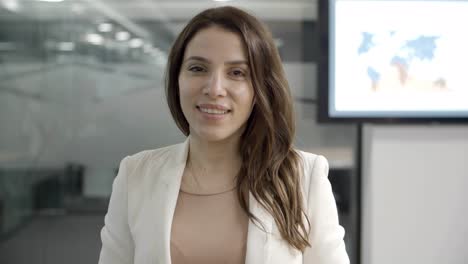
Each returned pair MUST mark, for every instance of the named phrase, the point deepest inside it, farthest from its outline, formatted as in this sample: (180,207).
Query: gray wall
(415,207)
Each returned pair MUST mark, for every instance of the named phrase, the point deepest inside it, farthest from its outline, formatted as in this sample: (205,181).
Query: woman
(236,191)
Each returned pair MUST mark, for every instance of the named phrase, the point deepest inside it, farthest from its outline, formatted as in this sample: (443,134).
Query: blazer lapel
(164,200)
(258,240)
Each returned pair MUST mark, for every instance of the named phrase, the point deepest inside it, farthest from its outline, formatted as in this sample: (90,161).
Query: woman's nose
(215,86)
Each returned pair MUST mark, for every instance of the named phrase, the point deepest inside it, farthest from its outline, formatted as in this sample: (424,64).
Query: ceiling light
(136,43)
(66,46)
(105,27)
(122,35)
(11,5)
(94,38)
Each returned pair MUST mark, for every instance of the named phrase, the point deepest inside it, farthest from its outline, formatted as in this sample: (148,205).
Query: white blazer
(144,194)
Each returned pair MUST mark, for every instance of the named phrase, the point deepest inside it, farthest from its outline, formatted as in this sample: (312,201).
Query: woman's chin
(212,136)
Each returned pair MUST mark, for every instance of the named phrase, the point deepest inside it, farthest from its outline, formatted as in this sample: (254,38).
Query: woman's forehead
(216,43)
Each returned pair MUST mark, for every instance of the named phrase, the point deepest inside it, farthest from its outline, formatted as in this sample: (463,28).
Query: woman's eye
(238,73)
(196,69)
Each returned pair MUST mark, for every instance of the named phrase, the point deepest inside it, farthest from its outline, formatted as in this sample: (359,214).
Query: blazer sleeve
(326,235)
(117,243)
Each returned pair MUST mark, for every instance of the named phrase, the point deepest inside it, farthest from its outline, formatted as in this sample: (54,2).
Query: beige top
(209,229)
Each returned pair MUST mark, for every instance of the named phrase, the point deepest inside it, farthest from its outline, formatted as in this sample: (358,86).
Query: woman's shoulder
(314,167)
(313,163)
(151,158)
(150,153)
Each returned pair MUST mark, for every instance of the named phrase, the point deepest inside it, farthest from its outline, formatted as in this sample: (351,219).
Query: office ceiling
(153,9)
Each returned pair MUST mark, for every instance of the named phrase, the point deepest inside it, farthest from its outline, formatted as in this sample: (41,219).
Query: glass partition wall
(81,87)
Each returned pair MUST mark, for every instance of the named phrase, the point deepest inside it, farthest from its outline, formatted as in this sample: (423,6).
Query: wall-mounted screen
(393,60)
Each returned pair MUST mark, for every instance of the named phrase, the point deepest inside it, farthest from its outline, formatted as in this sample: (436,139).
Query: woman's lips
(215,114)
(214,106)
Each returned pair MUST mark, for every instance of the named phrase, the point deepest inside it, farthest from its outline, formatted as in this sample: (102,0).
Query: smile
(213,111)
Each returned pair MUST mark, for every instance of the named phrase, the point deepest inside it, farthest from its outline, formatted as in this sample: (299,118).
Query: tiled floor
(56,239)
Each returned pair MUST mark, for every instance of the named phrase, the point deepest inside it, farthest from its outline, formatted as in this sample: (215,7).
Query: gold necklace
(204,194)
(208,194)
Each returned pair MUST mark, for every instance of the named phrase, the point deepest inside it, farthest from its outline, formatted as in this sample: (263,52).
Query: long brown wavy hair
(271,168)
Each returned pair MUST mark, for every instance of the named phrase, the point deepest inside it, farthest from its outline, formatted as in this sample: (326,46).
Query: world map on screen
(391,60)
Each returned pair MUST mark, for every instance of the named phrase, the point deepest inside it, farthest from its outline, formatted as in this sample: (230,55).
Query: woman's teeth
(213,111)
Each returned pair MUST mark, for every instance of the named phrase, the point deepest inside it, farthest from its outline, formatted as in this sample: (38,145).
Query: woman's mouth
(213,114)
(213,111)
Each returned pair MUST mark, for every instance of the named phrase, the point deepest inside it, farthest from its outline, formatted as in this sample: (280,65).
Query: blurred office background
(81,87)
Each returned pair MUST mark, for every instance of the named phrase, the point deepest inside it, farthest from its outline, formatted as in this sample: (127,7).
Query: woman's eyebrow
(197,58)
(237,62)
(202,59)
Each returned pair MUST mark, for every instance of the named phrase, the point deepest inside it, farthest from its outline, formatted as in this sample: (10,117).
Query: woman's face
(216,94)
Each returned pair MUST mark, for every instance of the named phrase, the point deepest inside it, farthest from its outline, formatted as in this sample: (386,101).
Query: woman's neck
(213,165)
